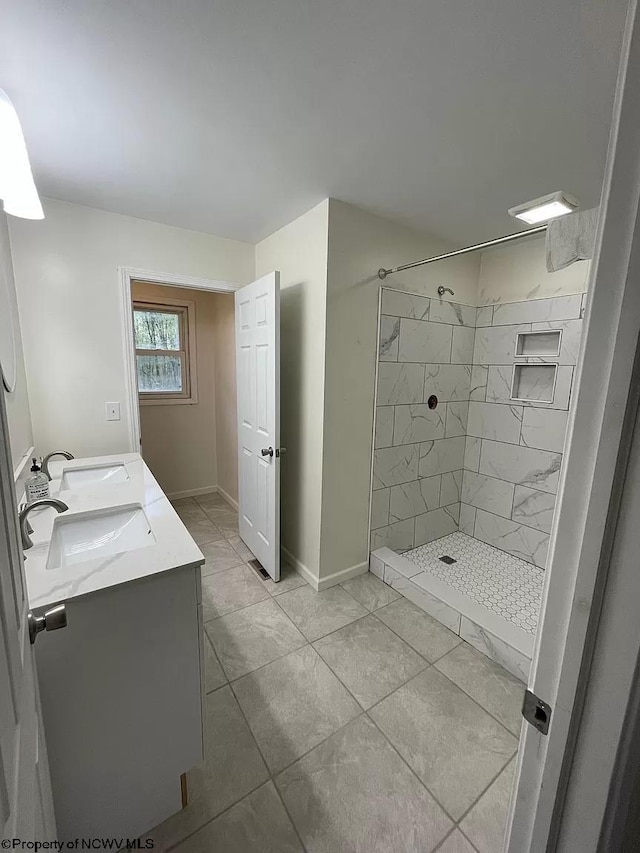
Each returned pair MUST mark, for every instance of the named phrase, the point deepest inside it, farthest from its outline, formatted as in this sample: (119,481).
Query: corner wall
(359,244)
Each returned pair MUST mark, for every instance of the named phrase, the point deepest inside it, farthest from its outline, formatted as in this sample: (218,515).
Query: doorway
(185,353)
(161,361)
(186,388)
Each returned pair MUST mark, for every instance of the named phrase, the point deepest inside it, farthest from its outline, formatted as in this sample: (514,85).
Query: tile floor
(346,720)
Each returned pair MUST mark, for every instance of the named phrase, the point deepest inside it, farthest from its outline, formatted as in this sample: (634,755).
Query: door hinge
(536,712)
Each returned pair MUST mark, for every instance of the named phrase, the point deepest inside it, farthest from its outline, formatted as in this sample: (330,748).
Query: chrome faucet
(60,506)
(45,461)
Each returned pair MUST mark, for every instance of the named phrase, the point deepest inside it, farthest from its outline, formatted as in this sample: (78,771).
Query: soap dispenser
(37,485)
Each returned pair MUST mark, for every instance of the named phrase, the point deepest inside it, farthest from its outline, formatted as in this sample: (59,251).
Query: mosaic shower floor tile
(502,583)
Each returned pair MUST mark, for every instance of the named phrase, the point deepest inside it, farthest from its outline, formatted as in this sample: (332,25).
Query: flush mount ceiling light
(17,189)
(547,207)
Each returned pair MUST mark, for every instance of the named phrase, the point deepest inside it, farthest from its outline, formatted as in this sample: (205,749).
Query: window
(162,338)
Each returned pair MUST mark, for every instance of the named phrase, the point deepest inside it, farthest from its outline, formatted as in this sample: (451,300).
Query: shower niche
(545,344)
(534,382)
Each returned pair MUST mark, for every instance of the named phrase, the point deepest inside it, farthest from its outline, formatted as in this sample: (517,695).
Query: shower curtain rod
(383,273)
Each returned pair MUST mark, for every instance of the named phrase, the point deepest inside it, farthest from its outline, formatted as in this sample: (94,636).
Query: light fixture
(17,189)
(547,207)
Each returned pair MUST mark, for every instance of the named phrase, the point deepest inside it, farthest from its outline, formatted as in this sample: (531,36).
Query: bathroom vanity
(122,686)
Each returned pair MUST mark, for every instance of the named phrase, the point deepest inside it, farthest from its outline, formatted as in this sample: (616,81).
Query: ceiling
(235,116)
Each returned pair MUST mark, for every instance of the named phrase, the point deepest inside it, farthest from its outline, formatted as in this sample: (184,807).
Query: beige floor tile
(203,530)
(319,613)
(212,499)
(253,637)
(228,524)
(232,768)
(214,505)
(214,674)
(457,843)
(487,682)
(238,545)
(453,745)
(486,822)
(190,512)
(369,659)
(257,824)
(231,590)
(216,512)
(289,579)
(219,556)
(292,704)
(370,591)
(353,793)
(424,634)
(181,503)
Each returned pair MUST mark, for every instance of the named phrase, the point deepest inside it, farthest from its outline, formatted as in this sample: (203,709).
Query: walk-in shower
(471,412)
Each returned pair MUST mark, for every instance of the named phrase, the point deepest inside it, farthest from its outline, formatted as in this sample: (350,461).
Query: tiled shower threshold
(489,598)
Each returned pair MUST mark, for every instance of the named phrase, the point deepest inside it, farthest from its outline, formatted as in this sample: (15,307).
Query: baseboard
(193,493)
(319,584)
(300,568)
(227,497)
(343,575)
(207,490)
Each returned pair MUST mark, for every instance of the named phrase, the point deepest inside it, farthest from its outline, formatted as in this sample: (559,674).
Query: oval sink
(102,533)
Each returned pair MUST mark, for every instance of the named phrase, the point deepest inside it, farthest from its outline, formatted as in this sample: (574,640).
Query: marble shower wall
(426,348)
(480,461)
(513,448)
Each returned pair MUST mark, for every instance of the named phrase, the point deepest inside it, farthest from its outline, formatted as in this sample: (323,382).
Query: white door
(26,806)
(258,377)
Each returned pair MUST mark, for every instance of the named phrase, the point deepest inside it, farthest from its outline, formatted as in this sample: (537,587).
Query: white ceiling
(235,116)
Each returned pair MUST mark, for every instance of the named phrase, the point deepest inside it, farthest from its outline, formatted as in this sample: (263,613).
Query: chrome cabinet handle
(50,620)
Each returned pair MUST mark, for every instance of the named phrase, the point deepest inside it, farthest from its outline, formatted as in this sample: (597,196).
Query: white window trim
(191,331)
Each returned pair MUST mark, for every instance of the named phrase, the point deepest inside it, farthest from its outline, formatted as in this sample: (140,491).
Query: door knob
(50,620)
(267,451)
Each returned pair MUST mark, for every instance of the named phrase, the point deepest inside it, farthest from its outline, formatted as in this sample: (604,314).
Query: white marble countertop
(173,547)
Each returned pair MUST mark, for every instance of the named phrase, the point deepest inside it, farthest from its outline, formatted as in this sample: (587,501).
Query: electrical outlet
(113,411)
